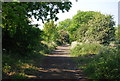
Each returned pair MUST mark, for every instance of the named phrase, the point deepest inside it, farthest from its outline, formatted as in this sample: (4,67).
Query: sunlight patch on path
(59,65)
(59,55)
(61,51)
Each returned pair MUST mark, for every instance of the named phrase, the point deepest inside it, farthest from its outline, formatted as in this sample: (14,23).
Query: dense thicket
(97,41)
(50,32)
(105,65)
(18,34)
(99,30)
(23,43)
(93,32)
(63,28)
(90,27)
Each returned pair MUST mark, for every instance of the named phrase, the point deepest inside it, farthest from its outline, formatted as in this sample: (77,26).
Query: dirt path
(59,65)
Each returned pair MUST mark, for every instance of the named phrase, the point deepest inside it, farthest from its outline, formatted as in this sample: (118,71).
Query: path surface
(59,65)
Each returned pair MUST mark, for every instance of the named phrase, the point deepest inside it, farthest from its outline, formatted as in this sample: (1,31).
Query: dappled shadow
(64,49)
(58,65)
(58,68)
(60,53)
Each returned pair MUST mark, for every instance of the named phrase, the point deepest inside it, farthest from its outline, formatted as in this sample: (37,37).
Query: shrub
(86,49)
(47,47)
(106,65)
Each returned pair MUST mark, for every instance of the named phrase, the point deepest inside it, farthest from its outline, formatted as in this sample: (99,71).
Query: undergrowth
(103,66)
(15,66)
(106,65)
(86,49)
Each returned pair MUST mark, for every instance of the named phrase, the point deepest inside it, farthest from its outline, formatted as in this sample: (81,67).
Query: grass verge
(19,67)
(103,66)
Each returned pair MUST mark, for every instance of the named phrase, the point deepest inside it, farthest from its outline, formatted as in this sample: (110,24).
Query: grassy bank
(17,67)
(86,49)
(103,65)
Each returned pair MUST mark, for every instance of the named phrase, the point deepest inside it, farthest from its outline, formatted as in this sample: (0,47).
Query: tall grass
(17,66)
(106,65)
(86,49)
(14,66)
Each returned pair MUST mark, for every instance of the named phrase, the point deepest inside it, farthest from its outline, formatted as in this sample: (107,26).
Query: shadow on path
(59,65)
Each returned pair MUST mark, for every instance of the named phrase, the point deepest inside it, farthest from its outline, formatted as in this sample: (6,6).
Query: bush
(86,49)
(106,65)
(47,47)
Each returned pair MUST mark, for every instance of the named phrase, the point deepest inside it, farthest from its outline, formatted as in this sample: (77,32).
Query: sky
(103,6)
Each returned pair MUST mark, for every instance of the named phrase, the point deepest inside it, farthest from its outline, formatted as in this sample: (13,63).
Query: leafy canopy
(18,34)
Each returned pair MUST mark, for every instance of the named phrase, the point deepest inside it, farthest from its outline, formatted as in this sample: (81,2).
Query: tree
(64,24)
(63,37)
(50,31)
(47,10)
(82,17)
(78,20)
(90,27)
(18,35)
(64,30)
(99,30)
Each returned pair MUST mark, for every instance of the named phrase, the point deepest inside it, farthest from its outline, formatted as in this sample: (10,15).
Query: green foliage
(48,47)
(105,65)
(21,41)
(63,37)
(56,34)
(117,34)
(82,17)
(90,27)
(63,28)
(44,11)
(50,32)
(14,66)
(18,35)
(97,30)
(86,49)
(50,36)
(20,76)
(64,25)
